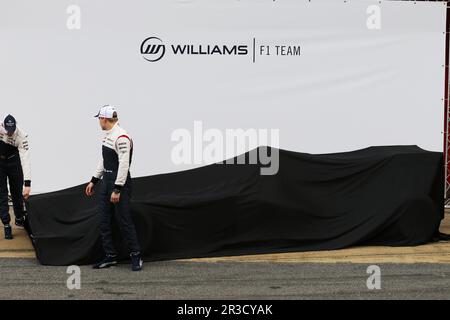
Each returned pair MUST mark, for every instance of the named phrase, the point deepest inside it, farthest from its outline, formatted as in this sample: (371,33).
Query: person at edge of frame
(15,168)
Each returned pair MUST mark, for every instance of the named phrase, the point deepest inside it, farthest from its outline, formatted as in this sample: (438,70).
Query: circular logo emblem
(153,49)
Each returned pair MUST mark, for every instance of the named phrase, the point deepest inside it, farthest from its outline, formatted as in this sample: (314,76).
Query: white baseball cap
(108,112)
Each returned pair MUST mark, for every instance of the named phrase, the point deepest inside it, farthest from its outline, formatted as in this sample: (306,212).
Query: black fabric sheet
(389,195)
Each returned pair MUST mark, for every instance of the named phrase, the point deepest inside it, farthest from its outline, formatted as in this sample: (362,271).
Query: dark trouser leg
(106,212)
(123,213)
(15,176)
(4,208)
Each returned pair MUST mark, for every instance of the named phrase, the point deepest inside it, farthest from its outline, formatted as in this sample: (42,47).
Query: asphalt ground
(26,279)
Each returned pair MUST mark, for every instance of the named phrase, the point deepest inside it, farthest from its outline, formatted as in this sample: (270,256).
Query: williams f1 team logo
(153,49)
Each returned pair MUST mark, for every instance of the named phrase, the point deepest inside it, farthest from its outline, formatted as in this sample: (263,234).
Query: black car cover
(388,195)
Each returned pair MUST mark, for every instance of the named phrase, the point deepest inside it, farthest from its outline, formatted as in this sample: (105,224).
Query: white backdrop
(350,87)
